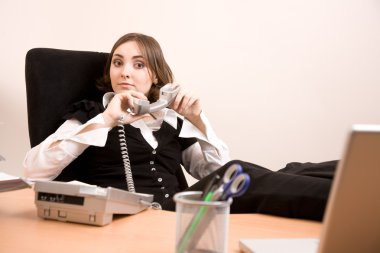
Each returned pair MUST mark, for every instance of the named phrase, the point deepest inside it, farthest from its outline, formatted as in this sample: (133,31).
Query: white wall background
(280,80)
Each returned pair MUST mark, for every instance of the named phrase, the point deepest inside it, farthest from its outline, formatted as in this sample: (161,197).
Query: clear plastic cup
(201,226)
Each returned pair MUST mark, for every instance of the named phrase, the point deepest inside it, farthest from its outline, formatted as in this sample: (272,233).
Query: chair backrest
(55,79)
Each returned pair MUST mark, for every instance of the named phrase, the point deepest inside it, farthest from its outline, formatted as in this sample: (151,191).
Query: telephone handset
(167,95)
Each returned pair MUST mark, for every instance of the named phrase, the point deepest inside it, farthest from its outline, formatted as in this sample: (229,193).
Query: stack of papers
(11,183)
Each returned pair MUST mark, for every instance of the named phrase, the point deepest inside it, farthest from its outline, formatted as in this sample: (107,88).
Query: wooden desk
(150,231)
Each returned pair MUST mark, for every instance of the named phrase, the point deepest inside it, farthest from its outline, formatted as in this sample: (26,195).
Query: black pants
(300,190)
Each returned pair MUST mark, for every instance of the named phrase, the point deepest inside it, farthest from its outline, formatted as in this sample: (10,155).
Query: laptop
(352,217)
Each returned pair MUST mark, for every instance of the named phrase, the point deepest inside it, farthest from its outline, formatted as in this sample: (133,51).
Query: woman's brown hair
(155,61)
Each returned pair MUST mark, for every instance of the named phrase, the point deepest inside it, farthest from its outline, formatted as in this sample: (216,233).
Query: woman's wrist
(197,121)
(108,120)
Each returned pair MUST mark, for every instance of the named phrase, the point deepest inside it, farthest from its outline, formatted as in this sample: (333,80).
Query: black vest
(155,171)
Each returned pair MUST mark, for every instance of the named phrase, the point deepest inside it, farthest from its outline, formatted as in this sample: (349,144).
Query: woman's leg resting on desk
(297,191)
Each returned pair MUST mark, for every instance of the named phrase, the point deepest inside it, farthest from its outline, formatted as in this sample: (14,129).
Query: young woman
(159,143)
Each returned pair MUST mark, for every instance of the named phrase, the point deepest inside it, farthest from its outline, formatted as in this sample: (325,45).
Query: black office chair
(55,79)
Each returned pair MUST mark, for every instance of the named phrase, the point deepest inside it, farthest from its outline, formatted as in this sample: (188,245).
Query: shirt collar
(107,98)
(168,115)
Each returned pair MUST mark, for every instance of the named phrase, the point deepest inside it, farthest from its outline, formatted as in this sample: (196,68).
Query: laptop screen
(352,218)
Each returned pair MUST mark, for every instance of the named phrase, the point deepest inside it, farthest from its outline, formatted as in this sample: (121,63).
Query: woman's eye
(139,65)
(117,63)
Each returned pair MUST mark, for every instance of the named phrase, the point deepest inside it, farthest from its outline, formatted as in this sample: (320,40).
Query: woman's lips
(125,85)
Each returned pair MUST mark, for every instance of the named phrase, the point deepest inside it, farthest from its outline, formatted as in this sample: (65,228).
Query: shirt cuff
(190,131)
(95,137)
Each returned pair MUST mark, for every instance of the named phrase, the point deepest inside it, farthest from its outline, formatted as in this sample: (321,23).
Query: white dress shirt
(46,161)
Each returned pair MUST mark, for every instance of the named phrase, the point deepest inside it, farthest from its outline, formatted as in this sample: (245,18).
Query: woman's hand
(189,106)
(118,108)
(186,104)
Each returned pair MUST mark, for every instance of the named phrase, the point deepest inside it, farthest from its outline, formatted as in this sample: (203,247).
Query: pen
(217,192)
(183,243)
(210,185)
(207,196)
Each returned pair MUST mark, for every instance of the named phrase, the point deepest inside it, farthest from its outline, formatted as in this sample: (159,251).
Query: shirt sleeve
(206,155)
(46,160)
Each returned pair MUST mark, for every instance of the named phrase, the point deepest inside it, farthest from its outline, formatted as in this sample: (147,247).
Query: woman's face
(128,69)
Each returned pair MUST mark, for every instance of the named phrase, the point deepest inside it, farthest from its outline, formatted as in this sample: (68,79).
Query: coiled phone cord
(125,157)
(127,165)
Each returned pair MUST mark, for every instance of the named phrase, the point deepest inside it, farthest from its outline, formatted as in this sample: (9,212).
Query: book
(11,183)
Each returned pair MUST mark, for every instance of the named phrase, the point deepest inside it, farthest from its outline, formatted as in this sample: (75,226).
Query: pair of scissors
(234,183)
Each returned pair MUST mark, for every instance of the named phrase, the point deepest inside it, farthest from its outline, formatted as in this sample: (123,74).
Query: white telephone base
(83,203)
